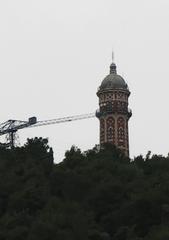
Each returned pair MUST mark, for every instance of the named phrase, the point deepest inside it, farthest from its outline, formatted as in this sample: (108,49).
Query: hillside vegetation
(93,195)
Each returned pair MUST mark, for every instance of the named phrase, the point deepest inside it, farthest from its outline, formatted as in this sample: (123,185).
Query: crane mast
(10,127)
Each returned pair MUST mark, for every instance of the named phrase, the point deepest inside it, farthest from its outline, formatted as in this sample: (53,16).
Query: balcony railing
(112,110)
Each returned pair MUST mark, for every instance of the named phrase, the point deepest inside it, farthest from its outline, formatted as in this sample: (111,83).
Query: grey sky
(55,53)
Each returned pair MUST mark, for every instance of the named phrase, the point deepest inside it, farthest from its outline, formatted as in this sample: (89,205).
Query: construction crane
(10,127)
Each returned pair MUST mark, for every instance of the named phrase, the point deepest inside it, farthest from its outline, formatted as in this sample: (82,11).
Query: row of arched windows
(113,96)
(108,126)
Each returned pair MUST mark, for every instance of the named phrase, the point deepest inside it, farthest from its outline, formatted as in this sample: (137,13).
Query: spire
(112,56)
(113,65)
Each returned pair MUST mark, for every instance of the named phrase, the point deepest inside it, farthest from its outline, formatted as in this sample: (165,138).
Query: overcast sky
(55,53)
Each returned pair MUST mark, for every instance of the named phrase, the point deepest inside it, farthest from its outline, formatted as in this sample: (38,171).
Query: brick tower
(113,112)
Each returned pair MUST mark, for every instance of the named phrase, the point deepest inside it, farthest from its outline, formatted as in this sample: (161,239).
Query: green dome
(113,81)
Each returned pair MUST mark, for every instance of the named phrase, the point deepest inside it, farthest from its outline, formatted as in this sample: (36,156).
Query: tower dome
(113,81)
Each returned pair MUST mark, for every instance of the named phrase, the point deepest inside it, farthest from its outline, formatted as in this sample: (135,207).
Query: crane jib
(10,127)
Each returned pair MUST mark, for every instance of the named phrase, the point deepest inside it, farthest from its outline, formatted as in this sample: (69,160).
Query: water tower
(113,112)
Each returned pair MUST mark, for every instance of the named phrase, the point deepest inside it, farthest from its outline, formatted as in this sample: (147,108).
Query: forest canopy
(91,195)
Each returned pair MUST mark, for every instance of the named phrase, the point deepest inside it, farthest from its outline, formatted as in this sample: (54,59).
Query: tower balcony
(106,110)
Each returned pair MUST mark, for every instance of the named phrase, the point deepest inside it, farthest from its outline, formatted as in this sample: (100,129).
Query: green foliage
(92,195)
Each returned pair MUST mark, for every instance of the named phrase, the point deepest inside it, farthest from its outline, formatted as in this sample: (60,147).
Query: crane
(10,127)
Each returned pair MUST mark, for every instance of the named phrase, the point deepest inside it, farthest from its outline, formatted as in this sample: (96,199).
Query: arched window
(110,122)
(121,131)
(102,130)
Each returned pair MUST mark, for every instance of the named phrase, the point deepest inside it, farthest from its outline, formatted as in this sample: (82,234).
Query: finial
(113,65)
